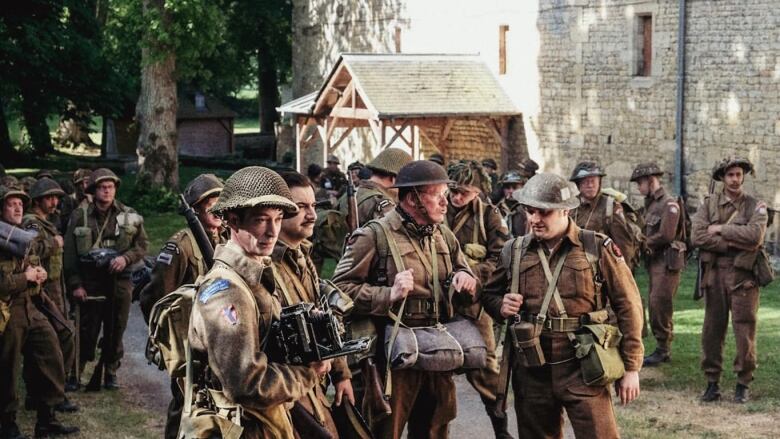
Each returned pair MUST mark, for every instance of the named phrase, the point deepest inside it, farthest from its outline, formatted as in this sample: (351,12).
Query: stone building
(593,79)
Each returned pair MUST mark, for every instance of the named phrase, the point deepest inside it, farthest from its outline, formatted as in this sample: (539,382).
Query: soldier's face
(208,219)
(644,185)
(13,210)
(733,178)
(48,204)
(547,224)
(589,186)
(257,231)
(354,174)
(434,199)
(463,195)
(105,192)
(84,184)
(301,226)
(510,188)
(333,166)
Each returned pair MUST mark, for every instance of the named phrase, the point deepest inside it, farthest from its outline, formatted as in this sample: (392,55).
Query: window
(502,30)
(644,45)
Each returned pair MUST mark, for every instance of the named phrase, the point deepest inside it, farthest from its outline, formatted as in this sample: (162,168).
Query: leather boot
(72,384)
(110,382)
(48,425)
(500,426)
(712,393)
(656,358)
(66,406)
(741,394)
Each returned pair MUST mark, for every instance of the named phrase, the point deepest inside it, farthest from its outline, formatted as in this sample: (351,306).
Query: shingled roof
(412,85)
(214,109)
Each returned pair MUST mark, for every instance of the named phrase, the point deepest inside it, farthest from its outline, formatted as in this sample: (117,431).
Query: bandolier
(728,228)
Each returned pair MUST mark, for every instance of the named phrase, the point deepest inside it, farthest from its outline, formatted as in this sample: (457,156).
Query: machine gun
(15,240)
(201,238)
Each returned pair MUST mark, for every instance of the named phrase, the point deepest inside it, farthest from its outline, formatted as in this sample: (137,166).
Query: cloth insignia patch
(165,258)
(344,264)
(384,203)
(230,314)
(214,288)
(761,208)
(32,226)
(171,248)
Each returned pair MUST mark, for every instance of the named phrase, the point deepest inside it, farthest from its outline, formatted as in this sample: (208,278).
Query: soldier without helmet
(426,400)
(665,256)
(235,305)
(481,233)
(104,223)
(24,330)
(545,386)
(180,262)
(729,228)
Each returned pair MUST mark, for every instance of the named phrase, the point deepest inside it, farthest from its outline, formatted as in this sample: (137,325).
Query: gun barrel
(198,232)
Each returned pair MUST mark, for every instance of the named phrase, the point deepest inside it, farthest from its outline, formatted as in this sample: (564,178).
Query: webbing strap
(588,238)
(399,267)
(552,289)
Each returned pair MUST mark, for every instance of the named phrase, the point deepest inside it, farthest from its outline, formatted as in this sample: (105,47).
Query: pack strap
(399,266)
(588,238)
(552,291)
(196,250)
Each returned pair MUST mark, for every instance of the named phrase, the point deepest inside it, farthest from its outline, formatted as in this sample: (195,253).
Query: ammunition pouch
(54,269)
(125,236)
(475,253)
(597,348)
(5,315)
(674,256)
(762,269)
(83,238)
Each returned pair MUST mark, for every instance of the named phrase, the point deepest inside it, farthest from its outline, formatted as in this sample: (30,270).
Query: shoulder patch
(214,288)
(673,207)
(165,258)
(615,249)
(761,207)
(33,226)
(230,314)
(171,247)
(384,203)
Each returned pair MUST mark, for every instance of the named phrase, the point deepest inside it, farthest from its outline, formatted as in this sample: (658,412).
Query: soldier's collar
(659,193)
(411,225)
(251,270)
(282,247)
(573,233)
(724,199)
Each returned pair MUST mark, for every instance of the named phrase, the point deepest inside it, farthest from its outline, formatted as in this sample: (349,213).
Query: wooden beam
(445,131)
(331,126)
(298,133)
(399,133)
(341,139)
(415,142)
(352,113)
(375,130)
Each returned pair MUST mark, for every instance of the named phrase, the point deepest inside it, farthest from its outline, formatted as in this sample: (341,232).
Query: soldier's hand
(344,389)
(511,304)
(714,229)
(41,275)
(627,388)
(464,283)
(402,284)
(80,294)
(60,242)
(118,264)
(321,367)
(31,274)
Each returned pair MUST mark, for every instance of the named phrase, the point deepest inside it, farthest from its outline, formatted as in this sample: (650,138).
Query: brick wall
(202,138)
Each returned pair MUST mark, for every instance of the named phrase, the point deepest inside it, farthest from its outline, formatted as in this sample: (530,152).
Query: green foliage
(152,200)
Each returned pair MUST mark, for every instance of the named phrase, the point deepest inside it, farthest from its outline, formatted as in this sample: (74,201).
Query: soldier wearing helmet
(426,400)
(103,223)
(729,228)
(664,255)
(376,196)
(81,180)
(548,379)
(27,334)
(45,194)
(235,305)
(180,262)
(600,212)
(481,232)
(333,180)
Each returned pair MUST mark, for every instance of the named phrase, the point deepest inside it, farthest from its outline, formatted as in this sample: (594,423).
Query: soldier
(103,223)
(181,262)
(296,277)
(491,167)
(600,212)
(376,196)
(437,158)
(25,330)
(665,256)
(333,180)
(354,170)
(424,399)
(235,305)
(512,212)
(542,392)
(46,194)
(729,230)
(81,179)
(481,233)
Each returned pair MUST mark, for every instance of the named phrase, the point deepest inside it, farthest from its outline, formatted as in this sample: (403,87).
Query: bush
(152,200)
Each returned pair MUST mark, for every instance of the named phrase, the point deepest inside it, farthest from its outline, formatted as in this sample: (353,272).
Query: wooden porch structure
(401,98)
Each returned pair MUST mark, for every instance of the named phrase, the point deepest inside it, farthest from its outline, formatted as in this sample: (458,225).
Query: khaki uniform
(542,393)
(128,237)
(480,226)
(426,400)
(297,282)
(177,264)
(28,333)
(662,218)
(334,181)
(228,328)
(68,204)
(51,260)
(728,280)
(373,201)
(595,215)
(514,216)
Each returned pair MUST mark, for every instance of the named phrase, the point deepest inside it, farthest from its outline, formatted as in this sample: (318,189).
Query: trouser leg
(744,307)
(716,314)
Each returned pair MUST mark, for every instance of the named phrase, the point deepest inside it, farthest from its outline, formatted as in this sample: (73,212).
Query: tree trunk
(156,115)
(34,114)
(7,150)
(268,85)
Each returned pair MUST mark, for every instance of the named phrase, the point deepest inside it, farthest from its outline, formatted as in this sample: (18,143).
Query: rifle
(505,371)
(201,238)
(105,345)
(353,221)
(698,292)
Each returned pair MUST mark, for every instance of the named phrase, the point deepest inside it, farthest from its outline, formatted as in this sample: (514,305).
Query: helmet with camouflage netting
(202,187)
(81,174)
(729,162)
(255,186)
(470,173)
(512,177)
(548,191)
(586,169)
(646,170)
(45,186)
(421,173)
(389,161)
